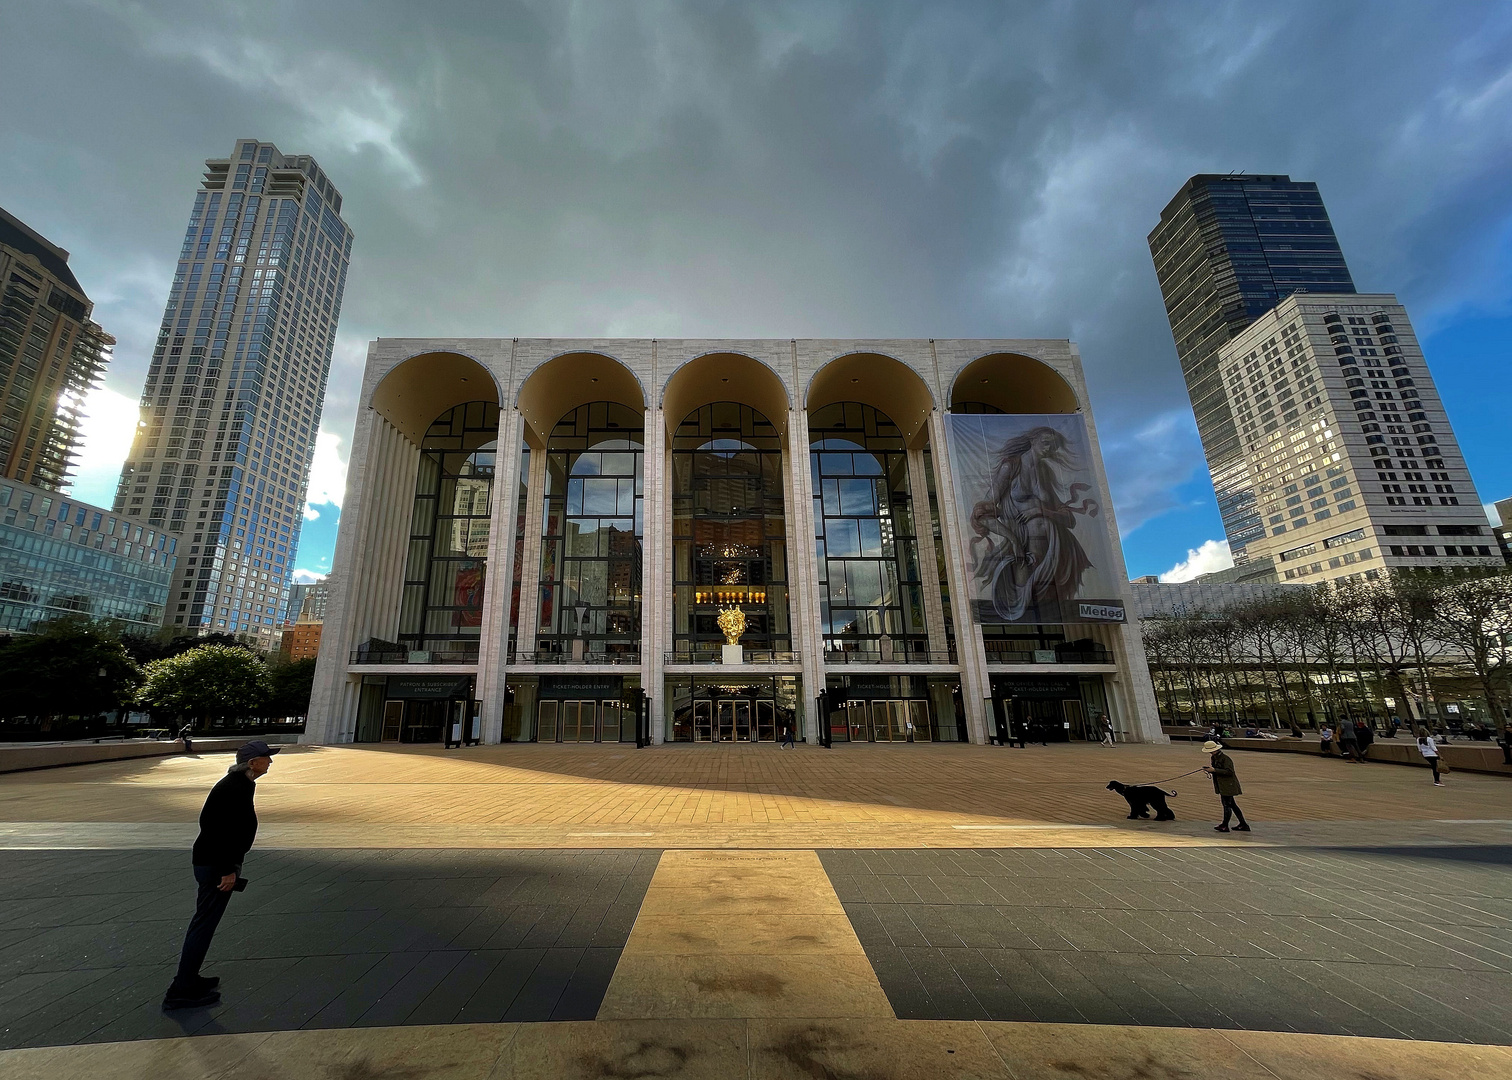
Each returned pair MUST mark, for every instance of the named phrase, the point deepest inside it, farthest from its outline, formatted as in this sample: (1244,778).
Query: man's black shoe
(1241,827)
(195,999)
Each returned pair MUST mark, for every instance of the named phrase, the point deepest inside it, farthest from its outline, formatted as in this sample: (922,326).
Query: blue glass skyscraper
(1228,249)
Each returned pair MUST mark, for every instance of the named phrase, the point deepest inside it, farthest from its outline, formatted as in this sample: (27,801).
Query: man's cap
(1210,747)
(255,749)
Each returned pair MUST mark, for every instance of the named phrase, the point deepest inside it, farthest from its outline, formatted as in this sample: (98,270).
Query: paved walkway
(520,912)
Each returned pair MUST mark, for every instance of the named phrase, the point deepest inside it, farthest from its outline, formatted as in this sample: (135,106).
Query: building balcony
(544,655)
(714,656)
(1095,654)
(834,657)
(377,657)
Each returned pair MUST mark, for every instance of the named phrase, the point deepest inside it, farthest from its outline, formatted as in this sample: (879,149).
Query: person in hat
(1226,784)
(228,825)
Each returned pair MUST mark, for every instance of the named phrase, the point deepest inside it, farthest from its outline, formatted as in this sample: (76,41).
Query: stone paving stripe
(742,934)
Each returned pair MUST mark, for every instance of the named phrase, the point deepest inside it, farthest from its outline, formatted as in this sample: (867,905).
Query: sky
(805,169)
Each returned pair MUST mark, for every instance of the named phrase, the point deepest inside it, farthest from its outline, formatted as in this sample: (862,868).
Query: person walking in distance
(228,825)
(1428,747)
(1107,731)
(787,735)
(1226,784)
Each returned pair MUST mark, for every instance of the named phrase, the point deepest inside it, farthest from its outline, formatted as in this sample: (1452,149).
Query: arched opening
(725,377)
(566,382)
(441,611)
(414,393)
(1011,383)
(890,386)
(592,530)
(729,551)
(871,596)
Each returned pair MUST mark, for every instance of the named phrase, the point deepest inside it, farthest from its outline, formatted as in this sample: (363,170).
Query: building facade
(1355,466)
(557,540)
(309,599)
(301,640)
(232,402)
(60,557)
(1228,248)
(51,355)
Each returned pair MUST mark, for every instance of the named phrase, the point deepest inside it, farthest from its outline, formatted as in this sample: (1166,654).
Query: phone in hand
(240,886)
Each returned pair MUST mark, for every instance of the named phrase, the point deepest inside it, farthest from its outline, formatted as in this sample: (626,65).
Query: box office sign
(1035,541)
(429,687)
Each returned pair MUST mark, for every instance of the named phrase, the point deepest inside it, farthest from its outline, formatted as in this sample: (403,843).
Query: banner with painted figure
(1036,541)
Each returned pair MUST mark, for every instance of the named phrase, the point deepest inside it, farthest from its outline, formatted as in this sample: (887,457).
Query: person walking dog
(228,825)
(1225,784)
(1428,747)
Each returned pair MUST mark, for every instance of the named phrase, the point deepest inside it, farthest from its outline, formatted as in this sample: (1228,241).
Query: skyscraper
(233,396)
(1227,249)
(1355,467)
(51,356)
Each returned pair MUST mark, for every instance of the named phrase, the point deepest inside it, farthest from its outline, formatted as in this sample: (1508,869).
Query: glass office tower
(233,397)
(1227,250)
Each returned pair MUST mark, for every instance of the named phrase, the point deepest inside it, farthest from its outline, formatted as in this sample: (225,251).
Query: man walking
(1107,731)
(228,825)
(787,736)
(1226,784)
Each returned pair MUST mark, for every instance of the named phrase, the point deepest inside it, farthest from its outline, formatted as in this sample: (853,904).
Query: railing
(1098,655)
(898,656)
(414,656)
(541,656)
(751,656)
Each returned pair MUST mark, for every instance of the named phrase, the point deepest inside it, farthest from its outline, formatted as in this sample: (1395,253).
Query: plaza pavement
(865,912)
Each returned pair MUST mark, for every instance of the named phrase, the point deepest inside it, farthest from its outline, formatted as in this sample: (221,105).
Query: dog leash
(1167,780)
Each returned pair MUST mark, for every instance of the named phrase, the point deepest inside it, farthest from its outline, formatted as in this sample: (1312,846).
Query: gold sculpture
(732,621)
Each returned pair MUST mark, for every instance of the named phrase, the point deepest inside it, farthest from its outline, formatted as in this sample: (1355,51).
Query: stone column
(803,575)
(929,569)
(656,578)
(499,582)
(530,557)
(976,687)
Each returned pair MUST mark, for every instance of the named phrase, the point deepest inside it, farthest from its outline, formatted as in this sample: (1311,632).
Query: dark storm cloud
(800,169)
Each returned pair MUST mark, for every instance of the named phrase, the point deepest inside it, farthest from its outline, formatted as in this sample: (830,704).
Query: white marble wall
(371,544)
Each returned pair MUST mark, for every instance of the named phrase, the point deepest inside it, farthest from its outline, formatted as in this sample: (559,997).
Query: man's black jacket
(228,824)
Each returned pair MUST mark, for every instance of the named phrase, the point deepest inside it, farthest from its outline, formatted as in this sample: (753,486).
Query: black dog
(1142,797)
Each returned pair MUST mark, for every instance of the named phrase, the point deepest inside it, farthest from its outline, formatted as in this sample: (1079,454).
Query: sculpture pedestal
(732,654)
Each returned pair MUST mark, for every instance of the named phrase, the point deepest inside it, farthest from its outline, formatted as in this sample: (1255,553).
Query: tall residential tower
(51,356)
(1227,249)
(1330,450)
(233,397)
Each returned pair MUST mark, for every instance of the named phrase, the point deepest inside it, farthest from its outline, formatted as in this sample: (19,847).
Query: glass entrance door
(703,721)
(919,713)
(856,721)
(766,721)
(393,720)
(579,721)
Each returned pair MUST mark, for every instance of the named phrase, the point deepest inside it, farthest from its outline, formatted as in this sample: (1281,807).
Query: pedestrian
(787,735)
(1107,731)
(1364,736)
(1226,785)
(1349,742)
(1325,741)
(1428,747)
(228,825)
(1016,734)
(1505,742)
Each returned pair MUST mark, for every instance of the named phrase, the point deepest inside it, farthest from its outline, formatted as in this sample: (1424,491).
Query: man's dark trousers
(209,905)
(1230,808)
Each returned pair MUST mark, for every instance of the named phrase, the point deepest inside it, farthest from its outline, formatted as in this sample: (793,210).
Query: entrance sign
(1035,543)
(1043,687)
(429,687)
(589,685)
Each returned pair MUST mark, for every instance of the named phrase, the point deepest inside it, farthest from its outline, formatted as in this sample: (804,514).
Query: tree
(71,667)
(210,683)
(1400,613)
(1474,618)
(291,683)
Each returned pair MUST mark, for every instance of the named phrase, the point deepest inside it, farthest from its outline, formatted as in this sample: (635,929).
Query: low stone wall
(22,758)
(1466,756)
